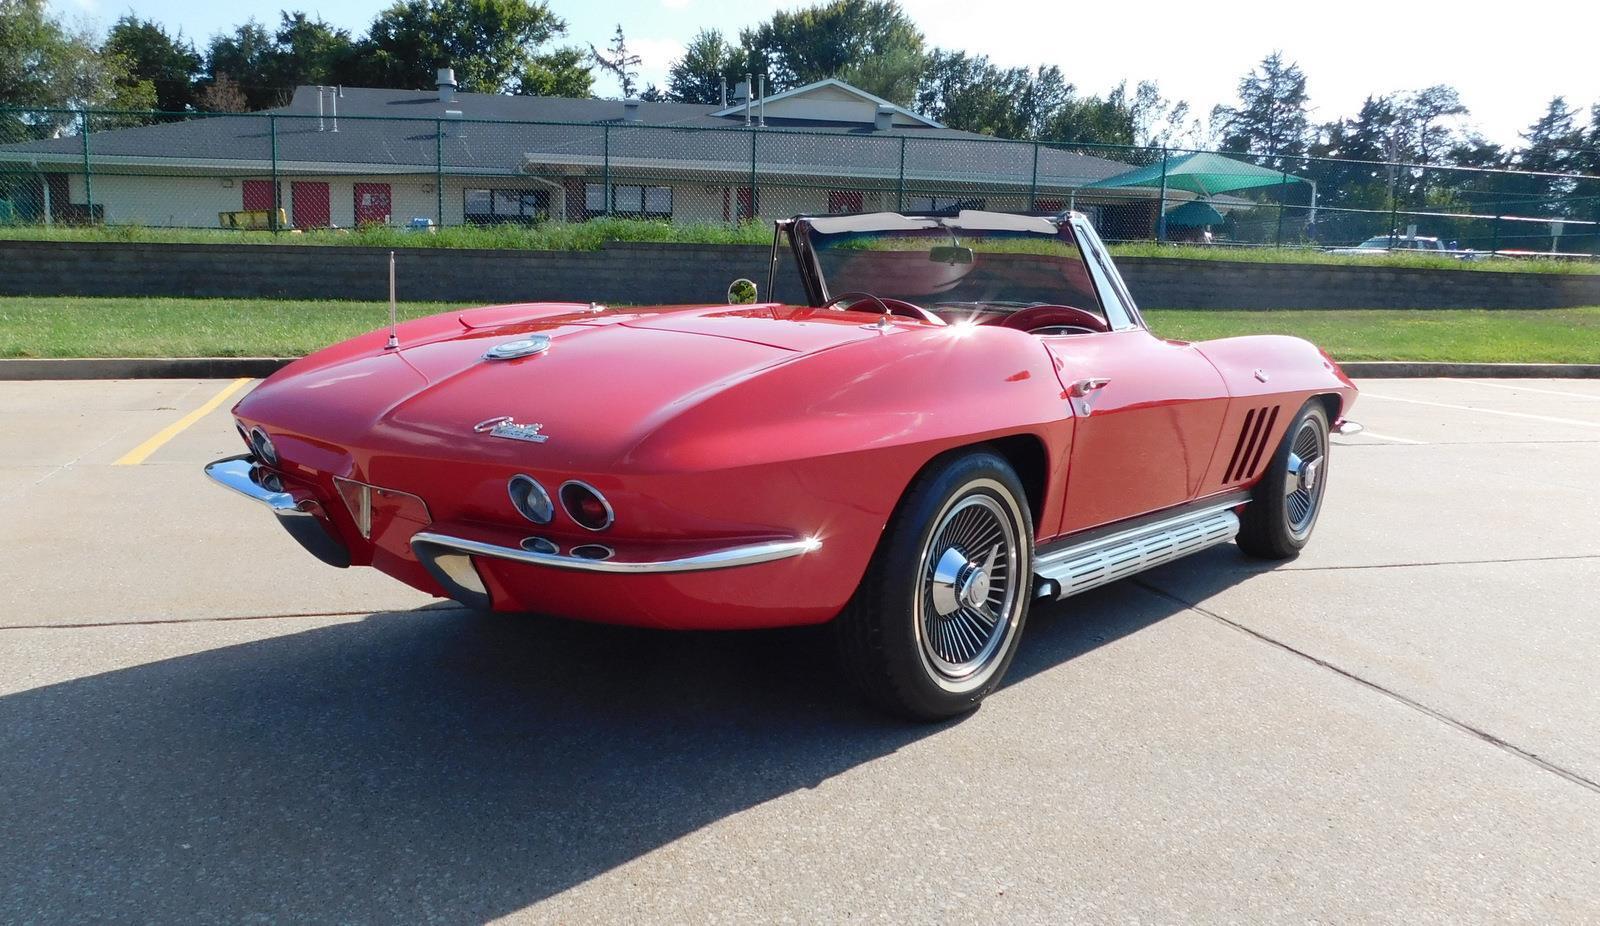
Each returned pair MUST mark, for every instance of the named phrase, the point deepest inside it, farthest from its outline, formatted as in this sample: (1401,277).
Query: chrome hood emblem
(524,347)
(507,427)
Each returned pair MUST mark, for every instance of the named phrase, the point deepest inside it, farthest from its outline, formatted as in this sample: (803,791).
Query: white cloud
(656,54)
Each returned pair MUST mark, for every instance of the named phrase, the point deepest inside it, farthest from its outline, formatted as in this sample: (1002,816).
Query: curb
(143,368)
(258,367)
(1399,369)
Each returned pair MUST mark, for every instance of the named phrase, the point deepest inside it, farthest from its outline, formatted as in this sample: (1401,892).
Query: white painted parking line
(1487,411)
(1570,395)
(1383,437)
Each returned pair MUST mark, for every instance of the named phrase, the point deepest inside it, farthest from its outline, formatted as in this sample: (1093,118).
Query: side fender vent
(1252,445)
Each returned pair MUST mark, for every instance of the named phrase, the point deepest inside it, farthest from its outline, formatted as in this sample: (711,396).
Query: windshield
(939,263)
(1382,242)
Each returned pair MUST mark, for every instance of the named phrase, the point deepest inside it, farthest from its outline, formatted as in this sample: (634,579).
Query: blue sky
(1506,65)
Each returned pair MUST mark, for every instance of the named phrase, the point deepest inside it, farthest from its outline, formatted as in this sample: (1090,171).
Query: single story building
(344,157)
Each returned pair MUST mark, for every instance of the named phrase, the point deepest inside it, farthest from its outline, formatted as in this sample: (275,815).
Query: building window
(845,201)
(495,207)
(630,200)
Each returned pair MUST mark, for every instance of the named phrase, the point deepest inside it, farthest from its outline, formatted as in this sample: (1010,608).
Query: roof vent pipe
(724,93)
(884,120)
(456,125)
(630,110)
(748,86)
(447,84)
(761,97)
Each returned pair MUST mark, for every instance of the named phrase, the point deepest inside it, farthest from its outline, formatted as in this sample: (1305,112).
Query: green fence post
(1033,182)
(1283,191)
(88,183)
(900,182)
(753,209)
(605,167)
(1394,204)
(438,170)
(1161,204)
(272,132)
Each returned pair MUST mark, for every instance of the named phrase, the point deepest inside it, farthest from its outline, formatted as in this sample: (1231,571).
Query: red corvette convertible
(966,414)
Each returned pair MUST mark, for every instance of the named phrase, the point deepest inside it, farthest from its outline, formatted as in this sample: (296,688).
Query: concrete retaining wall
(668,273)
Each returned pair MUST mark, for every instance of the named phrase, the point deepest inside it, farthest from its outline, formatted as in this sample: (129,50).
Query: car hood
(607,381)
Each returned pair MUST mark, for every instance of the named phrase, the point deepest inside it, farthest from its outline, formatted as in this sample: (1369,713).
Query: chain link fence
(296,173)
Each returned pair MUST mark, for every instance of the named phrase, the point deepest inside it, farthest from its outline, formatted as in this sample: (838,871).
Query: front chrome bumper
(244,476)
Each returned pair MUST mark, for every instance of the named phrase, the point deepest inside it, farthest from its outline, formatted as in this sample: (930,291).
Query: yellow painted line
(138,454)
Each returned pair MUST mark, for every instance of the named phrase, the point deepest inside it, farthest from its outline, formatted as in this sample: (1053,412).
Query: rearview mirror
(950,254)
(741,292)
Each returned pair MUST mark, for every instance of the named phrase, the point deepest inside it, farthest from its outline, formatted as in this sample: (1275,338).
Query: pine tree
(1270,120)
(617,61)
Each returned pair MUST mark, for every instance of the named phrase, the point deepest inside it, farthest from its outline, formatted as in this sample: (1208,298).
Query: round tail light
(585,505)
(530,498)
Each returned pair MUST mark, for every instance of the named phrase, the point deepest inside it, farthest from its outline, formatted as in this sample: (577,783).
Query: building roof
(833,88)
(399,131)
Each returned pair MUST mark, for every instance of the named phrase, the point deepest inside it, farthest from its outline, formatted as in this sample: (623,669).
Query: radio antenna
(394,325)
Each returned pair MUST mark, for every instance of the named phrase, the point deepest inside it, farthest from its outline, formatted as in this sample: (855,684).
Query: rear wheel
(1284,505)
(936,621)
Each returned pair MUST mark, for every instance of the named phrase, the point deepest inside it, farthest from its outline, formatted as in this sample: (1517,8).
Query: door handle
(1083,387)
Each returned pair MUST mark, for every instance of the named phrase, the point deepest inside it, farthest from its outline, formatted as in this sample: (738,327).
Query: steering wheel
(1067,319)
(887,306)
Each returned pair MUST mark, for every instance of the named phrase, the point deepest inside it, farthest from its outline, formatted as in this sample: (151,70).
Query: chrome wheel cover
(1306,478)
(970,586)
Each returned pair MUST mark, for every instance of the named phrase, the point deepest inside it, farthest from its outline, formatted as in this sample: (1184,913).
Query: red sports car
(967,413)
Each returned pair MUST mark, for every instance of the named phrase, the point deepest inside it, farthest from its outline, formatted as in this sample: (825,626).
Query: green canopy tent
(1196,213)
(1203,174)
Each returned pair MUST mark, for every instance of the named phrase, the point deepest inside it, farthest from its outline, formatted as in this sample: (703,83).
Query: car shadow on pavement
(436,764)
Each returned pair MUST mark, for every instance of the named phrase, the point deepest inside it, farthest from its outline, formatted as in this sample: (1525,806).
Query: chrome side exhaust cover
(1078,568)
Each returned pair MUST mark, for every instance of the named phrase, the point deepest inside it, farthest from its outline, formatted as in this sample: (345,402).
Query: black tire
(1278,522)
(898,644)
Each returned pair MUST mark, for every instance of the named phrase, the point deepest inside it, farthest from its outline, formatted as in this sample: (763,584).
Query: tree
(310,51)
(248,57)
(619,63)
(872,44)
(1158,121)
(709,63)
(1589,156)
(1271,119)
(493,45)
(970,93)
(170,63)
(1424,115)
(45,65)
(221,94)
(1552,140)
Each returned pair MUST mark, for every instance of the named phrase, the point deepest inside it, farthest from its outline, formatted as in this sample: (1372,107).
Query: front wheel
(936,621)
(1284,505)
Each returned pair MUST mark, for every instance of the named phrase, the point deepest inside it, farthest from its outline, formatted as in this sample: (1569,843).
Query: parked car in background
(965,413)
(1388,244)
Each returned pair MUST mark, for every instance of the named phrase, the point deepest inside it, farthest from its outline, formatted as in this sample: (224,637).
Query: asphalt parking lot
(199,722)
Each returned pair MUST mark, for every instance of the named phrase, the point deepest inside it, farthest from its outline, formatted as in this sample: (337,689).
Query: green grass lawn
(81,327)
(1463,335)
